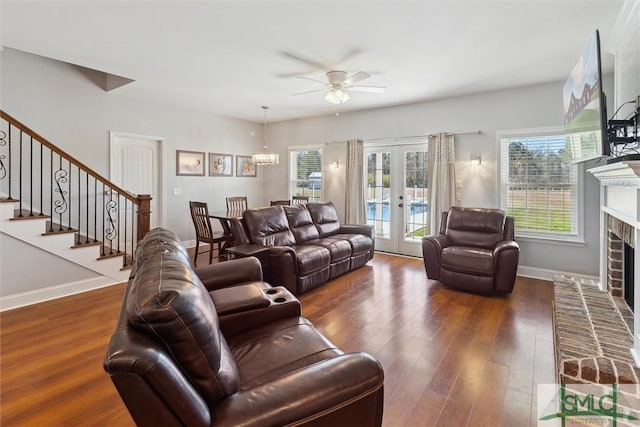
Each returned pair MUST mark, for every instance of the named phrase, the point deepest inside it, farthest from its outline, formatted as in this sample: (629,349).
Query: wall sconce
(476,161)
(335,164)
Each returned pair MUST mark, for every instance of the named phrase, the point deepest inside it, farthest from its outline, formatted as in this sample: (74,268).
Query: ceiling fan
(339,84)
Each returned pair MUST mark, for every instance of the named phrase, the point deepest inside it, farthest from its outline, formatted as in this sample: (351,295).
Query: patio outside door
(397,196)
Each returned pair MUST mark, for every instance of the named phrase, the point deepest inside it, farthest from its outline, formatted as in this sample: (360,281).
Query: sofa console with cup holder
(218,346)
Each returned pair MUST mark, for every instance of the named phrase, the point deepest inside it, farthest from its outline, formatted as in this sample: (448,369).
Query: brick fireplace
(619,230)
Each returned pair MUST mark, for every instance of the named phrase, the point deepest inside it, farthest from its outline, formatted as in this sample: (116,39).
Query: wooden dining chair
(280,202)
(299,200)
(238,203)
(204,231)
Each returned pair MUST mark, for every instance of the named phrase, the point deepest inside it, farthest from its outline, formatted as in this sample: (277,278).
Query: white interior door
(397,196)
(136,166)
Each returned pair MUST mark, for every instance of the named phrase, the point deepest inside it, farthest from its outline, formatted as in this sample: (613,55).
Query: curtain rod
(400,138)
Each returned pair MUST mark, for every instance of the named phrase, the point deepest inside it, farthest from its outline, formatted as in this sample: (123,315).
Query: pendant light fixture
(265,157)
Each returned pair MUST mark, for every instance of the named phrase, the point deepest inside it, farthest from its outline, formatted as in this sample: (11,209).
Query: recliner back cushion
(168,302)
(159,240)
(301,223)
(268,226)
(325,217)
(475,227)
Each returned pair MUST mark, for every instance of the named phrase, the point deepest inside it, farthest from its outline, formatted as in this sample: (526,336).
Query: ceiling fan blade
(357,77)
(315,64)
(313,80)
(370,89)
(309,91)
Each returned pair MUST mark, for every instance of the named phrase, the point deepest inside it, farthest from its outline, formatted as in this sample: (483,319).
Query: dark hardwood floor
(450,358)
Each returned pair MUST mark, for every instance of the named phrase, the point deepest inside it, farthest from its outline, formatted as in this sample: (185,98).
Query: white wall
(66,107)
(526,107)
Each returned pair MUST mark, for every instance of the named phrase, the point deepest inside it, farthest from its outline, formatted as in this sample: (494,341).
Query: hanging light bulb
(265,157)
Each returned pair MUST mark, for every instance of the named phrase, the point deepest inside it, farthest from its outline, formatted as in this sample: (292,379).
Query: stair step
(84,241)
(24,214)
(8,200)
(55,228)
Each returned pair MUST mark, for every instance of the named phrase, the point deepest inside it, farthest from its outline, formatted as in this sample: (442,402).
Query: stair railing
(45,181)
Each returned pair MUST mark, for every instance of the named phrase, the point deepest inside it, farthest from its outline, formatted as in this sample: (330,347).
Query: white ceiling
(232,57)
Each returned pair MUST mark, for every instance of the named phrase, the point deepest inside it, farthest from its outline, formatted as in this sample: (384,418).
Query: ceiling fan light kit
(265,158)
(339,84)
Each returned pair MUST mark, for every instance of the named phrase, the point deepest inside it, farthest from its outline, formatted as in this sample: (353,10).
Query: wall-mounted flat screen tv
(585,120)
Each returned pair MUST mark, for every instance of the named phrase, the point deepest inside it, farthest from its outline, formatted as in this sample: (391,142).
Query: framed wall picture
(190,163)
(220,164)
(244,167)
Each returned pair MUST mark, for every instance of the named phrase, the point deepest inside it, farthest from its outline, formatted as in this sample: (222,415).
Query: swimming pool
(417,207)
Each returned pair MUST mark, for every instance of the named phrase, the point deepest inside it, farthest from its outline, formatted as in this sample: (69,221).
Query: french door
(397,196)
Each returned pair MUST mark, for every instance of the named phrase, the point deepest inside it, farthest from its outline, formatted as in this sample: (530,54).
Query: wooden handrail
(44,141)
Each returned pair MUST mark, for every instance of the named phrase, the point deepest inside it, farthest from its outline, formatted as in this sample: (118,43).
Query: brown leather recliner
(218,346)
(474,251)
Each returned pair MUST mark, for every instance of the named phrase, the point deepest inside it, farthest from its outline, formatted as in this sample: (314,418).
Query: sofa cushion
(359,242)
(301,223)
(468,260)
(268,226)
(325,217)
(338,248)
(311,258)
(167,300)
(476,227)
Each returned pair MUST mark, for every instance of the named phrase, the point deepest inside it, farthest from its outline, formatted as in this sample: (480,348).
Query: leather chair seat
(475,261)
(277,349)
(360,244)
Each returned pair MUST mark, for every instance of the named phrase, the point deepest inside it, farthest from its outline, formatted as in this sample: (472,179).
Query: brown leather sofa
(307,245)
(474,251)
(219,347)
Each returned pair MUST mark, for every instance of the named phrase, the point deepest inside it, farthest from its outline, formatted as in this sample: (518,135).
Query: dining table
(226,219)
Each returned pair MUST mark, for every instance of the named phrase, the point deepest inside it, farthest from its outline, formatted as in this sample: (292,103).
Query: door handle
(400,205)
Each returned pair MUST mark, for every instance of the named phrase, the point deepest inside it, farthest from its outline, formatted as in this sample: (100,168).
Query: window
(538,187)
(305,173)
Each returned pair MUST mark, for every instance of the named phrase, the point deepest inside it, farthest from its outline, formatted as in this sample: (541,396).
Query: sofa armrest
(346,388)
(505,265)
(283,268)
(229,273)
(431,254)
(365,229)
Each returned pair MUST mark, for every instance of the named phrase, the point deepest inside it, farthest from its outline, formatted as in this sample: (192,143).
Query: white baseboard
(22,299)
(544,274)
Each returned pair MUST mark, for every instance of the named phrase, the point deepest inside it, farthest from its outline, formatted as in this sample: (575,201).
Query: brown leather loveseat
(474,251)
(220,347)
(307,244)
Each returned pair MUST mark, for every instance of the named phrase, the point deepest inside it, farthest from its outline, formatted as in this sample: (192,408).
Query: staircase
(53,202)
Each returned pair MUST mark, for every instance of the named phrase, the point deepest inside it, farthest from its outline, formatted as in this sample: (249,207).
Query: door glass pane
(416,196)
(378,192)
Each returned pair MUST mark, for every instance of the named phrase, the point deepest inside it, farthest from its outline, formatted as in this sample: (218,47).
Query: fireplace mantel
(620,198)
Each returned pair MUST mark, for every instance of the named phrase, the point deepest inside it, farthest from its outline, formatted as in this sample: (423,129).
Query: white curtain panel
(355,204)
(442,183)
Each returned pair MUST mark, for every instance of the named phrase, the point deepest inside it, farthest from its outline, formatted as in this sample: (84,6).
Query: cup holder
(272,291)
(280,299)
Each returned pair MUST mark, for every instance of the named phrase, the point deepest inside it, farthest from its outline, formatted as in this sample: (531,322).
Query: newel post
(144,215)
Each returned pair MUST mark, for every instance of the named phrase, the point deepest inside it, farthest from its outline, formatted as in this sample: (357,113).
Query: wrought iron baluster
(51,191)
(4,138)
(31,179)
(125,223)
(95,210)
(87,204)
(20,176)
(69,210)
(41,179)
(79,208)
(104,233)
(111,233)
(61,205)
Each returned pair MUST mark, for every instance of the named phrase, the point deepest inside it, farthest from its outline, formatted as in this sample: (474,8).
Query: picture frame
(245,168)
(220,164)
(190,163)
